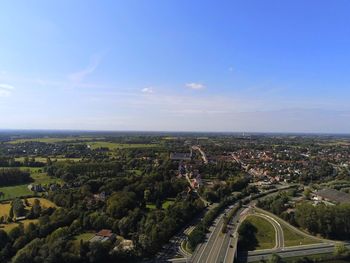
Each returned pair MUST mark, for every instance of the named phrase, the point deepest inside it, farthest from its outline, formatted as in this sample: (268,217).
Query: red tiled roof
(105,233)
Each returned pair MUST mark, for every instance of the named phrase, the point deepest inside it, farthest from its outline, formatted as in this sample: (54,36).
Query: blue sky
(278,66)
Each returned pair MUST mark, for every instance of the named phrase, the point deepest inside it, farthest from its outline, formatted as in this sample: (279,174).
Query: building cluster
(332,196)
(290,164)
(121,244)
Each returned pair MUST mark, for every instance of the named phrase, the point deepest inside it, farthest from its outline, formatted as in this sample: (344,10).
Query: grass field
(291,238)
(136,172)
(114,146)
(165,204)
(53,139)
(9,227)
(5,207)
(53,159)
(265,234)
(84,236)
(15,191)
(326,257)
(38,176)
(43,178)
(45,203)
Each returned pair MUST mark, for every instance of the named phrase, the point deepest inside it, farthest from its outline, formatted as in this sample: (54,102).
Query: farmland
(52,140)
(114,146)
(36,174)
(5,209)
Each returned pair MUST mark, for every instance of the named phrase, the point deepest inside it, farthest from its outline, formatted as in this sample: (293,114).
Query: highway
(327,246)
(216,248)
(221,248)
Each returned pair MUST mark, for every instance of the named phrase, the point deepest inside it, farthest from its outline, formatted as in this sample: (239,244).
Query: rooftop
(334,195)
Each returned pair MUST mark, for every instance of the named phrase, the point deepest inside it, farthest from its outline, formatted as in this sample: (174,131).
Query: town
(173,197)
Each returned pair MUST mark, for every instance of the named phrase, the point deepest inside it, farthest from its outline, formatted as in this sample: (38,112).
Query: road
(221,247)
(216,248)
(291,252)
(204,157)
(279,236)
(327,246)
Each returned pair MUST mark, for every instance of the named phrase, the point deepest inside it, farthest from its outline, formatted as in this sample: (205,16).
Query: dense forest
(12,176)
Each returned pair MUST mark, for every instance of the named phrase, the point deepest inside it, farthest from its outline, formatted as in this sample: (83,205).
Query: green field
(326,257)
(15,191)
(38,176)
(53,159)
(136,172)
(43,178)
(9,227)
(165,204)
(53,139)
(265,234)
(84,236)
(5,208)
(292,238)
(114,146)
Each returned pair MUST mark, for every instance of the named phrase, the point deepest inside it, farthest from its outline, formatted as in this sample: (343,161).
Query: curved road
(279,236)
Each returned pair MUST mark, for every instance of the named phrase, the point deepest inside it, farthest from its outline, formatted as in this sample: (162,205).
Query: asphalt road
(291,252)
(278,229)
(228,250)
(217,246)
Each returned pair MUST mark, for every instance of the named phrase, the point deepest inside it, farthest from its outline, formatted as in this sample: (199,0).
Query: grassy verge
(325,257)
(265,233)
(291,238)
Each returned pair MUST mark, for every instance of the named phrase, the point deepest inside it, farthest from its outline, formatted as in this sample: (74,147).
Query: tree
(3,239)
(98,252)
(18,207)
(147,195)
(10,214)
(196,237)
(36,208)
(340,249)
(120,203)
(247,236)
(275,259)
(158,204)
(307,192)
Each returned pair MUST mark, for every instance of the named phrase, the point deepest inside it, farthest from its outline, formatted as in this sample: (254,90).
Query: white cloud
(6,86)
(82,74)
(195,86)
(147,90)
(5,90)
